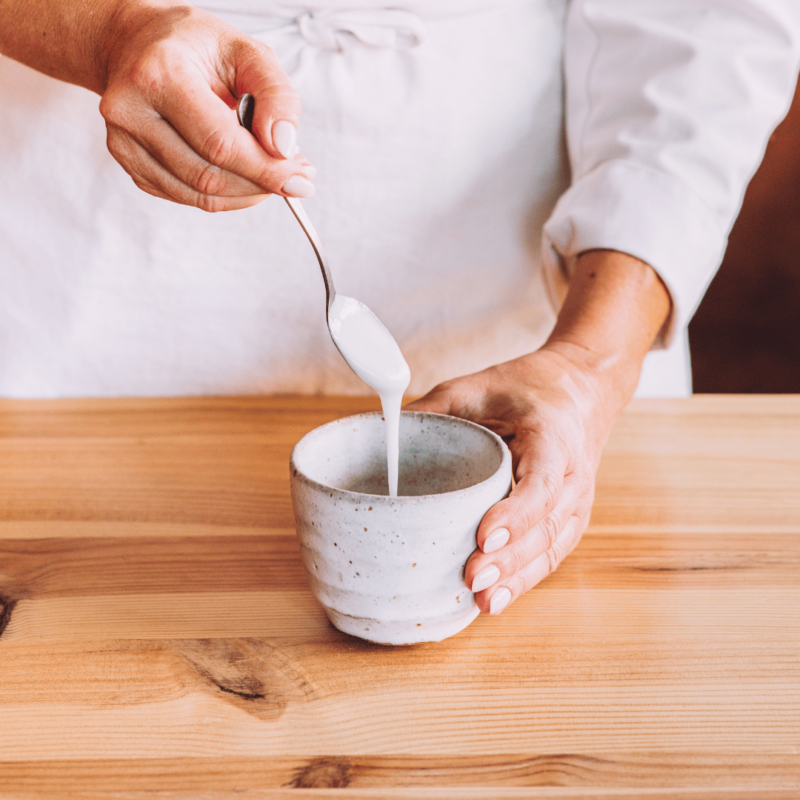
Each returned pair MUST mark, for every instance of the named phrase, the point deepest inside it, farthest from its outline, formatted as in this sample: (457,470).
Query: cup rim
(505,462)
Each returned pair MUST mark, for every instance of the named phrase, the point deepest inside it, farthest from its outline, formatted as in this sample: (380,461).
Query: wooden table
(158,639)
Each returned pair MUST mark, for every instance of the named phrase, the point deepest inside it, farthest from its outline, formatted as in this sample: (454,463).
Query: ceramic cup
(391,569)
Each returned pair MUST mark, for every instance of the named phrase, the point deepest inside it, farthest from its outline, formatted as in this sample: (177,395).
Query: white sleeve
(670,104)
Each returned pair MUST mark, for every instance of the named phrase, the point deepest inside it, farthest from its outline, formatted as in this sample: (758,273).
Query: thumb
(277,103)
(437,401)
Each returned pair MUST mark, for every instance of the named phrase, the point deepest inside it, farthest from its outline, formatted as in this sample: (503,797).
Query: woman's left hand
(546,407)
(555,408)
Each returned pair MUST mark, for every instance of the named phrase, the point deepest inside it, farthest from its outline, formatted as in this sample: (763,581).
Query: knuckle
(115,146)
(532,508)
(108,107)
(209,203)
(515,561)
(440,391)
(208,180)
(551,487)
(550,528)
(218,148)
(438,394)
(115,110)
(444,386)
(522,513)
(143,185)
(555,555)
(146,76)
(149,188)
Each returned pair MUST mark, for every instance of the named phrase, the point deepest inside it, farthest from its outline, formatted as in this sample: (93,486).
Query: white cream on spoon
(374,356)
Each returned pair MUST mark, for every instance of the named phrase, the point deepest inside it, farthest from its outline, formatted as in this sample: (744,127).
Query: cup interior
(438,454)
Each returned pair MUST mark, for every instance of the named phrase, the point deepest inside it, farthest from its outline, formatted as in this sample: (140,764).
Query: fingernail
(496,540)
(298,186)
(310,172)
(500,599)
(284,136)
(485,578)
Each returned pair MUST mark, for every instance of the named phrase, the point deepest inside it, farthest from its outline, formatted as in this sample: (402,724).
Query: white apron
(437,132)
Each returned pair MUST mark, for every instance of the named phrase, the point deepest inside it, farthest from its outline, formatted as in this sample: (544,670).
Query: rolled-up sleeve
(670,104)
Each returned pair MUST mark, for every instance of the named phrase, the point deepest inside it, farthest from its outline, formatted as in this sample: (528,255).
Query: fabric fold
(623,206)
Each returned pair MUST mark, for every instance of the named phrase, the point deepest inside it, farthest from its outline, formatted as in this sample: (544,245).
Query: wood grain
(157,637)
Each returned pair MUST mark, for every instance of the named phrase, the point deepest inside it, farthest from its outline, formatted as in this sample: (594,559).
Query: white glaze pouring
(374,356)
(358,334)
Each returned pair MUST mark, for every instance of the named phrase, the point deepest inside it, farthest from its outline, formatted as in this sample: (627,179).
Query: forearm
(68,39)
(613,312)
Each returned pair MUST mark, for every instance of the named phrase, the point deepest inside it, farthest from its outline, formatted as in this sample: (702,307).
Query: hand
(546,408)
(555,408)
(172,74)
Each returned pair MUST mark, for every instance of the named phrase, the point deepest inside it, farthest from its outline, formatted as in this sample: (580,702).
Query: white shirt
(437,131)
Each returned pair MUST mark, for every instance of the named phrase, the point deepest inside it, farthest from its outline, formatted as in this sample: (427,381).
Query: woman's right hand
(171,77)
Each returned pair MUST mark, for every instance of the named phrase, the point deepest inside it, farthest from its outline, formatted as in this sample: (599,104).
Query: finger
(155,135)
(439,400)
(277,103)
(433,405)
(206,123)
(543,463)
(150,176)
(502,594)
(484,570)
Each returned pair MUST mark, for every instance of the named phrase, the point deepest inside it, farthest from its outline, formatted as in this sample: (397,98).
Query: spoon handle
(244,111)
(305,223)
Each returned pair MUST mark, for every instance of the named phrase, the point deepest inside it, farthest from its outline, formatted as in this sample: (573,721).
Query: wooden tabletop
(157,638)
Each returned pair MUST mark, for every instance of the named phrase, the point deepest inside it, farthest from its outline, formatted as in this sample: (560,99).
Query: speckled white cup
(391,569)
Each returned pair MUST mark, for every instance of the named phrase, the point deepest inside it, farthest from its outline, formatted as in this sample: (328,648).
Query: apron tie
(385,28)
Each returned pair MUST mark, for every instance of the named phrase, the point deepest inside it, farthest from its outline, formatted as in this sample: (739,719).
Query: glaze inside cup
(391,569)
(436,456)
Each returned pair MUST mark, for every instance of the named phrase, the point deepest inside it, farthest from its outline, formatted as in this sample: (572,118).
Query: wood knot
(323,773)
(6,608)
(250,673)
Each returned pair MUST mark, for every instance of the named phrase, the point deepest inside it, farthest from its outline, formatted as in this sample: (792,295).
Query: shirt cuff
(645,213)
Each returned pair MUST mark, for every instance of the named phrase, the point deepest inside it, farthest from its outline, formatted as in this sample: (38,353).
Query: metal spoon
(244,111)
(360,337)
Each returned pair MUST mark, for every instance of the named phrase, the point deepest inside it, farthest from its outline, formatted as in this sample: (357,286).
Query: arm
(670,104)
(669,107)
(61,39)
(169,75)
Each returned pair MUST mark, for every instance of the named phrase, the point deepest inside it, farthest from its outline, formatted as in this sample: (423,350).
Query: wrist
(615,308)
(63,39)
(604,382)
(128,22)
